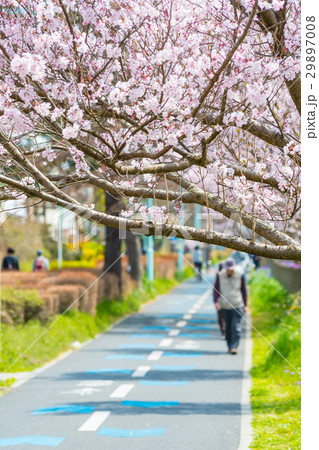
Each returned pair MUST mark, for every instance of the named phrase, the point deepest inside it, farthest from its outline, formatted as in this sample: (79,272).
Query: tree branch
(150,228)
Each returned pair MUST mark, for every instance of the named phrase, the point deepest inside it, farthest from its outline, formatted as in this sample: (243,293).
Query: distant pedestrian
(256,260)
(41,263)
(230,297)
(10,262)
(198,259)
(207,256)
(219,313)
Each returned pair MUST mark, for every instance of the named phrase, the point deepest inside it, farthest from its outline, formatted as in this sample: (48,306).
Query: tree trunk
(134,251)
(112,260)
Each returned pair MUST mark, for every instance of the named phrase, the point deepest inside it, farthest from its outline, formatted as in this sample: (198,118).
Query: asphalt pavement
(160,379)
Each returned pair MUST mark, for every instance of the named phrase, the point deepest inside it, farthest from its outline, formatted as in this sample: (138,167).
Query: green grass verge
(4,385)
(72,326)
(275,394)
(182,276)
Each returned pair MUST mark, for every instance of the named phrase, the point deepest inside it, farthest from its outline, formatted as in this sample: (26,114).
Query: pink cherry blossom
(139,97)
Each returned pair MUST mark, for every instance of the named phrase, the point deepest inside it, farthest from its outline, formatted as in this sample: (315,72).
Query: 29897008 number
(310,47)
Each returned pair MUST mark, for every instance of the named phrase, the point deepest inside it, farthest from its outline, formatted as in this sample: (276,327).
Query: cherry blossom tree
(180,101)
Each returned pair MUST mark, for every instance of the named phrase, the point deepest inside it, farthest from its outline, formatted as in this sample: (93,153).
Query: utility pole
(150,250)
(197,216)
(60,238)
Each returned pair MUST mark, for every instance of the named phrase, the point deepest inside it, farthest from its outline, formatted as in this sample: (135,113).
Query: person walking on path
(256,261)
(40,263)
(230,298)
(10,262)
(198,259)
(219,313)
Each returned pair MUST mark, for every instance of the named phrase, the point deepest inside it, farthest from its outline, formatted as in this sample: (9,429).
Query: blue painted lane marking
(163,383)
(127,371)
(194,327)
(170,368)
(168,316)
(125,357)
(77,409)
(202,316)
(149,404)
(32,440)
(202,321)
(196,335)
(137,346)
(117,432)
(148,336)
(156,328)
(182,355)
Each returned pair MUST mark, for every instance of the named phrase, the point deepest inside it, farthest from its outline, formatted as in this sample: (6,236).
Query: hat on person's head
(230,264)
(39,252)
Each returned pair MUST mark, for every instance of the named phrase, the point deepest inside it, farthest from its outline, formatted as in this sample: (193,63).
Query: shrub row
(70,327)
(20,305)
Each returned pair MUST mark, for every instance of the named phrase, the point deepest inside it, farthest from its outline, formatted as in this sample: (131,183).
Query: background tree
(200,97)
(113,250)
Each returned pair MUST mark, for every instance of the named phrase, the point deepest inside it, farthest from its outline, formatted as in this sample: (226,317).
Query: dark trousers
(198,269)
(232,318)
(221,322)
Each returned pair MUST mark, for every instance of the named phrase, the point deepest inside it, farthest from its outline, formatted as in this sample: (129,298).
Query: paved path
(160,379)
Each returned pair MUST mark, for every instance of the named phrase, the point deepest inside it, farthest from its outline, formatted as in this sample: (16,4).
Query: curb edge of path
(23,377)
(246,433)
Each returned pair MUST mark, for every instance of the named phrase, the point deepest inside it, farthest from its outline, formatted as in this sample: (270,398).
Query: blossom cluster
(121,86)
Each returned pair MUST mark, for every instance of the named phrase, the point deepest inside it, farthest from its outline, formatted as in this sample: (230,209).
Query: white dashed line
(122,391)
(192,311)
(181,323)
(165,342)
(93,422)
(95,383)
(205,295)
(173,332)
(83,391)
(141,371)
(196,306)
(187,345)
(187,316)
(155,356)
